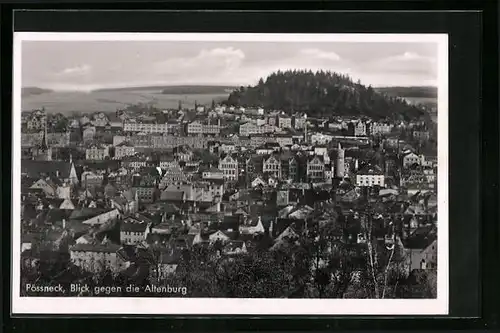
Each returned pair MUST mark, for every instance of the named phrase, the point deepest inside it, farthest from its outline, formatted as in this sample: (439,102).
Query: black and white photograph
(162,173)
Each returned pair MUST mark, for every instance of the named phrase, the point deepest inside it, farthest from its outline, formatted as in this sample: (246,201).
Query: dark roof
(34,168)
(172,196)
(95,247)
(56,215)
(85,213)
(282,224)
(421,238)
(133,227)
(152,238)
(370,170)
(101,165)
(229,222)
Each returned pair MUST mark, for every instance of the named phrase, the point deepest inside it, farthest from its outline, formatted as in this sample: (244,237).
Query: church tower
(340,167)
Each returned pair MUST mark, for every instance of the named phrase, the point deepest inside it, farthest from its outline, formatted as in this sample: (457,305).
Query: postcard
(201,173)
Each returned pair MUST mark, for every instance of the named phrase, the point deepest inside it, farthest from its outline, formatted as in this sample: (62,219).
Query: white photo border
(235,306)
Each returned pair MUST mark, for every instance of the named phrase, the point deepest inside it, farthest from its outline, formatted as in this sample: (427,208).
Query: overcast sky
(86,65)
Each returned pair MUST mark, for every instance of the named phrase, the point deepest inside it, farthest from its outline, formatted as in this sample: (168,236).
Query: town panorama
(233,199)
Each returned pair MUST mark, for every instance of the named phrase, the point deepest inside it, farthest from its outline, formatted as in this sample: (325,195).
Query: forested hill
(322,94)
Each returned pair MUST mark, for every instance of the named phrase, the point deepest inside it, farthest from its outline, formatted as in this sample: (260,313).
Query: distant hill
(323,94)
(423,92)
(177,90)
(28,91)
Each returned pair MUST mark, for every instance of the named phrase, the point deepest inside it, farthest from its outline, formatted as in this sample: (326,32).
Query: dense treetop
(322,94)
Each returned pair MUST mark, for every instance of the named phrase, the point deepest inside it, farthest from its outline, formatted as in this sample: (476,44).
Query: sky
(87,65)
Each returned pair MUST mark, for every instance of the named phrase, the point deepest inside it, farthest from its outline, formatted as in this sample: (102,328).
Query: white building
(96,153)
(272,165)
(320,138)
(411,159)
(360,128)
(380,128)
(284,122)
(213,173)
(145,127)
(124,149)
(370,176)
(229,167)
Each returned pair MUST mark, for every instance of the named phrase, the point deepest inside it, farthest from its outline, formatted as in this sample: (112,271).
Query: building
(251,128)
(36,121)
(133,233)
(378,128)
(284,140)
(284,122)
(134,162)
(64,171)
(360,128)
(145,127)
(315,169)
(89,134)
(103,218)
(97,257)
(272,166)
(321,138)
(96,153)
(293,169)
(411,159)
(421,135)
(300,122)
(117,139)
(92,178)
(172,175)
(213,173)
(421,248)
(370,176)
(146,194)
(248,129)
(124,149)
(197,127)
(229,167)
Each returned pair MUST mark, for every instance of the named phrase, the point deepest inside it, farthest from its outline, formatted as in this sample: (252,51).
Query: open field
(109,101)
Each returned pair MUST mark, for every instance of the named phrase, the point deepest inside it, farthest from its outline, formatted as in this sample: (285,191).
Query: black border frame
(473,137)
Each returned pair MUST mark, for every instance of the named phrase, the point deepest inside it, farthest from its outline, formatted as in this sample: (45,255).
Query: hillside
(421,92)
(176,90)
(322,94)
(29,91)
